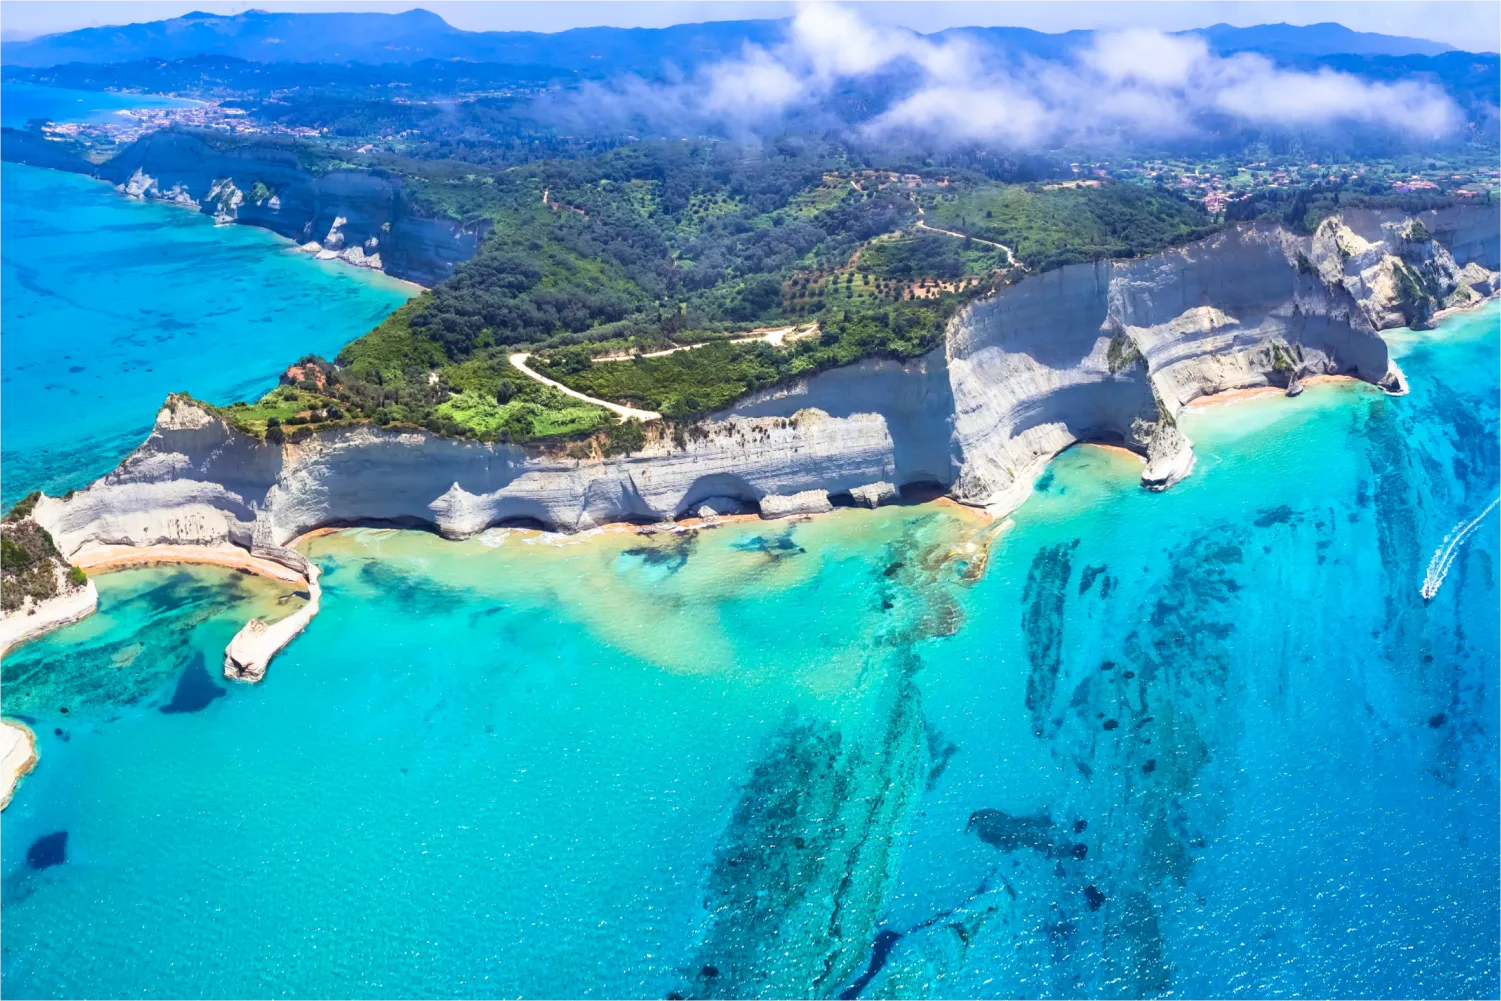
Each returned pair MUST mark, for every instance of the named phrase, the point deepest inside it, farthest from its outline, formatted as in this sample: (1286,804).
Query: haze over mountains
(416,35)
(825,69)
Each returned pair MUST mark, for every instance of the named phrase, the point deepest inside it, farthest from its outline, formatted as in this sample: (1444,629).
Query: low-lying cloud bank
(1140,83)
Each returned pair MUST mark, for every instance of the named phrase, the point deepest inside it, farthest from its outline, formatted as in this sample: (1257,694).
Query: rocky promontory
(39,589)
(364,217)
(17,756)
(367,218)
(1108,351)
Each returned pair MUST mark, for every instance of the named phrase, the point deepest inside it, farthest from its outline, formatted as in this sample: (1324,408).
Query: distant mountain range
(417,35)
(409,37)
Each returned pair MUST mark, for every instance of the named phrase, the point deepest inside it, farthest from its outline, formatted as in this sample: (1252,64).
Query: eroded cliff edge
(364,217)
(1111,350)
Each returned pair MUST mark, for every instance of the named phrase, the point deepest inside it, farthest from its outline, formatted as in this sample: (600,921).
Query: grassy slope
(1050,227)
(654,246)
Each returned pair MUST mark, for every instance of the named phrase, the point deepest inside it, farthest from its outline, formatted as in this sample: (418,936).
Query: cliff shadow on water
(367,218)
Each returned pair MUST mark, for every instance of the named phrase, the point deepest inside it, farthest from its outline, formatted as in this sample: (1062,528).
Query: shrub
(77,577)
(625,438)
(24,506)
(12,556)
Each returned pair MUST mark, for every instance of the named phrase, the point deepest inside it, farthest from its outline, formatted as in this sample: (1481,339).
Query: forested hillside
(595,261)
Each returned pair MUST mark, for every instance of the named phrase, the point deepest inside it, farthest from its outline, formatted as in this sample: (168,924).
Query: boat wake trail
(1443,558)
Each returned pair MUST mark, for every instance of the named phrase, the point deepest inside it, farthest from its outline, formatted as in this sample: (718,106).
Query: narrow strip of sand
(1118,450)
(105,558)
(1254,392)
(252,648)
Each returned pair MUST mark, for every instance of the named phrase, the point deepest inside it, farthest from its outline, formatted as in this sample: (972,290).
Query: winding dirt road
(624,413)
(776,337)
(1010,257)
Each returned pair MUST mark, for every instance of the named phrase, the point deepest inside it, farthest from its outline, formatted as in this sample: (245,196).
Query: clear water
(108,304)
(1210,742)
(22,102)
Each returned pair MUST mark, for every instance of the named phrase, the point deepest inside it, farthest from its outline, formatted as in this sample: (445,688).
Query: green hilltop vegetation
(1053,225)
(659,245)
(30,564)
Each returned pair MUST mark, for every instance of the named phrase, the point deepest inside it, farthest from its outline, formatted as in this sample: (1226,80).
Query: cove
(108,304)
(24,102)
(1207,742)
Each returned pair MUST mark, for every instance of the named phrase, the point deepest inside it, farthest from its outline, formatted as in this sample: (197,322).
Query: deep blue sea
(1206,743)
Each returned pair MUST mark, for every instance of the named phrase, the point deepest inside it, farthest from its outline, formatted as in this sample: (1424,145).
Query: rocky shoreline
(18,756)
(1110,351)
(44,616)
(251,649)
(363,217)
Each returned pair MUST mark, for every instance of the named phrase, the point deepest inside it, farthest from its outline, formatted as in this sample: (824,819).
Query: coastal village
(1215,183)
(1221,182)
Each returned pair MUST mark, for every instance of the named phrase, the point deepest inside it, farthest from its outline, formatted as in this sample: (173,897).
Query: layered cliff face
(1105,351)
(196,480)
(1035,370)
(359,216)
(915,400)
(1113,350)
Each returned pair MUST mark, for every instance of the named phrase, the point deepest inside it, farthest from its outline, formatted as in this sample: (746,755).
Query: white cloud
(1252,89)
(1138,82)
(757,84)
(1146,56)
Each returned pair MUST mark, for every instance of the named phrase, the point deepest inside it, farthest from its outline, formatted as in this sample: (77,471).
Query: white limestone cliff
(226,200)
(365,218)
(251,649)
(1110,350)
(803,502)
(196,480)
(35,618)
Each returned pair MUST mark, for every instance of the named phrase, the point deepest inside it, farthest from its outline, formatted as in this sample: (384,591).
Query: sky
(1474,26)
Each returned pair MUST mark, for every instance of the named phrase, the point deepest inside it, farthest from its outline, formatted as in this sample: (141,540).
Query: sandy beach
(1117,449)
(106,558)
(1252,392)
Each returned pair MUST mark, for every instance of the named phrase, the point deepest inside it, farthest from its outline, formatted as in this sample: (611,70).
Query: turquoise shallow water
(1210,742)
(21,102)
(108,304)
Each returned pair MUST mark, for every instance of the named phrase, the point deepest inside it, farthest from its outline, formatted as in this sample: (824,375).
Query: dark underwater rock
(195,689)
(48,850)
